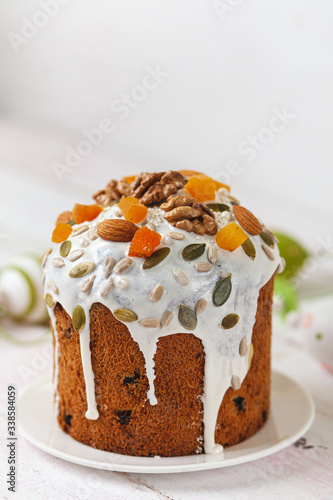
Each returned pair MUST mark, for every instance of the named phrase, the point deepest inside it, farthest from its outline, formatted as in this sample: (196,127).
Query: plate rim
(205,462)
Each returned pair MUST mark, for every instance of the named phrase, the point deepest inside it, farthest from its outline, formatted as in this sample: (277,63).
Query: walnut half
(186,213)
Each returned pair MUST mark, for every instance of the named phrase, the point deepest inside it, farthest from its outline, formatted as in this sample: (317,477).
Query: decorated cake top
(168,252)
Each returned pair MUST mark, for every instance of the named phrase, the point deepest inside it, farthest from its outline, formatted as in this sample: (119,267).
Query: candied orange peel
(61,232)
(132,209)
(231,237)
(203,188)
(84,213)
(144,243)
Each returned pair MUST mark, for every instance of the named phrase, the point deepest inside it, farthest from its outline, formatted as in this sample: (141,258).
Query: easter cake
(160,298)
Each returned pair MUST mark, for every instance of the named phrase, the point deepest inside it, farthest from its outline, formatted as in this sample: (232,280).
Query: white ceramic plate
(292,413)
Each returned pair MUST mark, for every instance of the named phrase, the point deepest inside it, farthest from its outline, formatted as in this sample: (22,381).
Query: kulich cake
(160,298)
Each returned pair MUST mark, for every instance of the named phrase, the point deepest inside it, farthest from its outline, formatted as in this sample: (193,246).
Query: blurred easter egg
(21,291)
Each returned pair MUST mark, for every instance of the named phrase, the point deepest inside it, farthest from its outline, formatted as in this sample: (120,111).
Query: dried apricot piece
(189,173)
(144,243)
(65,217)
(61,232)
(219,185)
(132,209)
(231,237)
(130,178)
(202,187)
(83,213)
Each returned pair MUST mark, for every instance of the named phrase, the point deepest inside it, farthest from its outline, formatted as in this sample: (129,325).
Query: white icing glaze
(132,289)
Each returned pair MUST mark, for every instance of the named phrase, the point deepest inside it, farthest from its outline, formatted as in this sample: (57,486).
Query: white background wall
(229,65)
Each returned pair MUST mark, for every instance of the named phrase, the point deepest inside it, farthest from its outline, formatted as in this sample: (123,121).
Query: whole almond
(117,230)
(247,220)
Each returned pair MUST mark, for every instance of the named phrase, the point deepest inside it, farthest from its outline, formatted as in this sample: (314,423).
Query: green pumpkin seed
(81,269)
(218,207)
(125,315)
(267,238)
(249,248)
(187,317)
(71,222)
(156,258)
(222,291)
(65,248)
(194,251)
(113,202)
(49,300)
(78,319)
(229,321)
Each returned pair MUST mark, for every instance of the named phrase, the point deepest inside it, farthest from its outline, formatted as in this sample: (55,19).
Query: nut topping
(184,212)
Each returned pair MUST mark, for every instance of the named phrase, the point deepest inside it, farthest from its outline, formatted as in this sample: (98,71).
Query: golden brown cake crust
(127,423)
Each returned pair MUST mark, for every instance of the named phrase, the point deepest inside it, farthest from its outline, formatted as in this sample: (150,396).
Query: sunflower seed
(281,266)
(249,248)
(106,288)
(108,265)
(212,254)
(80,230)
(150,323)
(218,207)
(229,321)
(92,234)
(156,293)
(45,256)
(194,251)
(201,305)
(166,318)
(267,238)
(156,258)
(76,254)
(187,317)
(125,315)
(87,284)
(250,356)
(268,252)
(123,265)
(243,346)
(202,267)
(65,248)
(176,236)
(49,300)
(180,277)
(222,291)
(150,226)
(57,262)
(79,319)
(235,383)
(53,286)
(118,213)
(81,269)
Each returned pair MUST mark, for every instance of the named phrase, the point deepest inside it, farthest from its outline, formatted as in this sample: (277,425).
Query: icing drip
(132,288)
(92,412)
